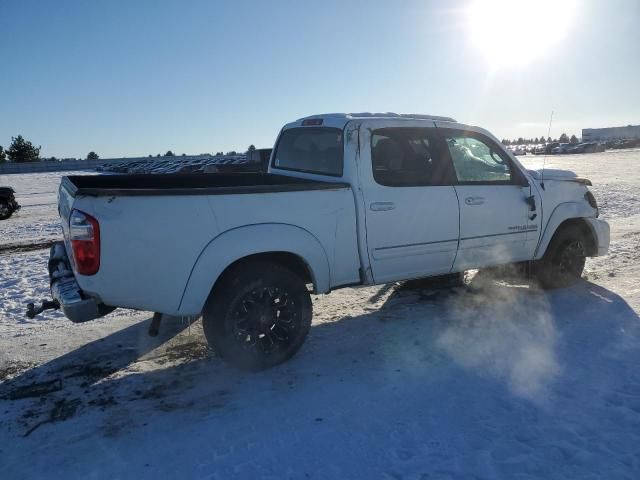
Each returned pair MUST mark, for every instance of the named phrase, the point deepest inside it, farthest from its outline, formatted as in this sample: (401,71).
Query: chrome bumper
(66,291)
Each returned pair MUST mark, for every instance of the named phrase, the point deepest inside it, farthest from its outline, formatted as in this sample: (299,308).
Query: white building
(610,133)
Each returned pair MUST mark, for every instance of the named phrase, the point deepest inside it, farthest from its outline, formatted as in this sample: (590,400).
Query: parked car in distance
(539,149)
(349,199)
(546,149)
(8,203)
(561,148)
(628,143)
(519,150)
(587,147)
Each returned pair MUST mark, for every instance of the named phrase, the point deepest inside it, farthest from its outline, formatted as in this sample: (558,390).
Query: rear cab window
(317,150)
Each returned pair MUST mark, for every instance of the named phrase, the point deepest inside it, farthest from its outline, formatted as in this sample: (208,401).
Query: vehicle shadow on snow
(514,336)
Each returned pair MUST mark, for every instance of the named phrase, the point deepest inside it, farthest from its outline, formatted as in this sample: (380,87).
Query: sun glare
(515,32)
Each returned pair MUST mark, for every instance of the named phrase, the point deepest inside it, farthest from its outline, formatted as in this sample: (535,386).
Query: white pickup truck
(349,199)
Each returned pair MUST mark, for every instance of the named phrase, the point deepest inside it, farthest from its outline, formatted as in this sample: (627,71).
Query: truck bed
(190,184)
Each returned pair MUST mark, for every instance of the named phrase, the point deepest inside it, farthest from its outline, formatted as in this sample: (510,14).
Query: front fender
(562,212)
(241,242)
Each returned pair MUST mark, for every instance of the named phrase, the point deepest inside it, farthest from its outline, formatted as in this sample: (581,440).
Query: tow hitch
(66,293)
(32,311)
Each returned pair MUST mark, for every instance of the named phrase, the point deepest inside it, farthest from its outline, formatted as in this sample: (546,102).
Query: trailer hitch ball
(32,311)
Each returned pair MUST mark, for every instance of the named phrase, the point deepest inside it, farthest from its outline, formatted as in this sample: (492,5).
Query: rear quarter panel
(148,247)
(152,246)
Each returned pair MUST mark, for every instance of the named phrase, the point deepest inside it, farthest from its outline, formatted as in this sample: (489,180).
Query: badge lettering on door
(523,228)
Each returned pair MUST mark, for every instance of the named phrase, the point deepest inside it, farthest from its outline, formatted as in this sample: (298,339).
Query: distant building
(610,133)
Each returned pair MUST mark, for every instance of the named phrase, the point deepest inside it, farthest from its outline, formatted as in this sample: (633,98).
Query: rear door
(497,225)
(412,213)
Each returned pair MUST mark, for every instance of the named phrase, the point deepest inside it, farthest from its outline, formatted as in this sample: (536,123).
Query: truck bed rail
(190,184)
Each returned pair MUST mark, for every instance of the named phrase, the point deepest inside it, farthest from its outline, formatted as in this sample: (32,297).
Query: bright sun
(511,32)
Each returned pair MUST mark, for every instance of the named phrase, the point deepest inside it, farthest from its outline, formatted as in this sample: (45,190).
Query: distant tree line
(24,151)
(564,138)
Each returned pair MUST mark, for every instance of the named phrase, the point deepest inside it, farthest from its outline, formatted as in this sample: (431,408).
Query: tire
(258,315)
(563,262)
(5,209)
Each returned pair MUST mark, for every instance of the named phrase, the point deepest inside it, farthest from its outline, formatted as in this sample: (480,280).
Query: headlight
(592,201)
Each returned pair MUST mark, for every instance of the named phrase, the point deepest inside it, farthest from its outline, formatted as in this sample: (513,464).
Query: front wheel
(563,263)
(258,315)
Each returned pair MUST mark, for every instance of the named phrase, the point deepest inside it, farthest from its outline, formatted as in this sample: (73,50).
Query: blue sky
(128,78)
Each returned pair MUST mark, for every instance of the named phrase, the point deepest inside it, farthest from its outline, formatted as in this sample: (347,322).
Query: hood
(559,176)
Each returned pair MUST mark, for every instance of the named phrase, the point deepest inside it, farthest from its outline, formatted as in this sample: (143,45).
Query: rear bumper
(601,233)
(66,291)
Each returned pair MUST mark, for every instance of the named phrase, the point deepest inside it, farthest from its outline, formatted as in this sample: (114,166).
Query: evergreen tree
(22,151)
(251,148)
(169,154)
(92,156)
(3,156)
(573,139)
(564,138)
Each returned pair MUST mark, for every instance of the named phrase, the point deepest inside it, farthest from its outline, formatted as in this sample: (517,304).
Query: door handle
(474,200)
(382,206)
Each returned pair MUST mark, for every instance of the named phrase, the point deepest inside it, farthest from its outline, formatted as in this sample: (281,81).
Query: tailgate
(65,205)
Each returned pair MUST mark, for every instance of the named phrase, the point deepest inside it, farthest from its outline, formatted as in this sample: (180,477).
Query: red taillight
(84,233)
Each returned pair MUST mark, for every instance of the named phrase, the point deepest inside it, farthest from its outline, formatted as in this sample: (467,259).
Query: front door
(412,213)
(497,224)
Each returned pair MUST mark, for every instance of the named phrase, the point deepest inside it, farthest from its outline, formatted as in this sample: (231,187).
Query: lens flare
(509,32)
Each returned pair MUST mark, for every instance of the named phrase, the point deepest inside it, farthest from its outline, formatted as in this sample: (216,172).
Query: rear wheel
(563,263)
(5,209)
(258,315)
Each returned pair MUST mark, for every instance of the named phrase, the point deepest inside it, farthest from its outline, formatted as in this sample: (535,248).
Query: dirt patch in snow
(11,369)
(25,247)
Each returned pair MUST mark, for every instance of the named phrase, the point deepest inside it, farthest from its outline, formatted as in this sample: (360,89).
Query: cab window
(478,160)
(405,157)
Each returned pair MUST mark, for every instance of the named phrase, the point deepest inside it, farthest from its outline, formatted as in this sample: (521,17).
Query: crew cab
(348,199)
(8,203)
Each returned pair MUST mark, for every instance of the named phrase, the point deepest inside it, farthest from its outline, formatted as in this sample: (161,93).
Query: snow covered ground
(499,380)
(37,220)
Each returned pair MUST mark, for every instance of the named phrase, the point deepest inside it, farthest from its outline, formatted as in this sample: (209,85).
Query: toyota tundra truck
(348,199)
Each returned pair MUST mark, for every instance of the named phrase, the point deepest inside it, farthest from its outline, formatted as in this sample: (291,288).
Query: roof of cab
(351,116)
(339,120)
